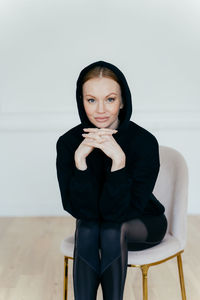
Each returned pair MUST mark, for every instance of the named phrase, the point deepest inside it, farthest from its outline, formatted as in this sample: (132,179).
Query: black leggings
(101,253)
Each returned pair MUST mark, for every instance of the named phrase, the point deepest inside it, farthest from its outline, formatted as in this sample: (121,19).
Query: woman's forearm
(81,164)
(118,163)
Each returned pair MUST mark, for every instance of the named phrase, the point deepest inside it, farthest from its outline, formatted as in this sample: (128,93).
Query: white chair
(171,189)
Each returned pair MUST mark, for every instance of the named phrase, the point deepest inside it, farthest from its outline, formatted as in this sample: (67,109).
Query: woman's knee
(164,226)
(87,233)
(157,227)
(87,243)
(110,231)
(110,238)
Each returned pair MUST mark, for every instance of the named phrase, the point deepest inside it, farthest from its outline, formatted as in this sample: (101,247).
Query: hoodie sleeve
(77,187)
(124,189)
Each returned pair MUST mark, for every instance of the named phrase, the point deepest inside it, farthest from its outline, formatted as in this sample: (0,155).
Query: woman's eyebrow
(106,96)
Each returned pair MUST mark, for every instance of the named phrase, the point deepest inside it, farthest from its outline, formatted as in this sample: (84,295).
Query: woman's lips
(101,119)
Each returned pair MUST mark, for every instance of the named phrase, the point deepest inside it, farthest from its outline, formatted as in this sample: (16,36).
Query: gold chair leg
(181,277)
(144,269)
(65,278)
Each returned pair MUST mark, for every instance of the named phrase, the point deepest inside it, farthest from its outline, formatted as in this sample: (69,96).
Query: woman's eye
(90,99)
(94,100)
(112,98)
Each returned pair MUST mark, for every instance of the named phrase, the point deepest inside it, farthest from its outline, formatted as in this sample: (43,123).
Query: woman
(107,167)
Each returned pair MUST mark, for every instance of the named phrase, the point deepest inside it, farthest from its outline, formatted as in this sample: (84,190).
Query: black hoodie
(97,193)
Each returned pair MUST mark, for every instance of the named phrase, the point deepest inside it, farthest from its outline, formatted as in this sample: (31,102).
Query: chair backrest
(171,189)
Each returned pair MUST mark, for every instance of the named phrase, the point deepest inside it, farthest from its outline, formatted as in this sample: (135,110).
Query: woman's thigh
(145,232)
(86,234)
(87,241)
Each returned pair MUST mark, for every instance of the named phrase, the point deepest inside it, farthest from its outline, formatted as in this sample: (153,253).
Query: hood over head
(125,112)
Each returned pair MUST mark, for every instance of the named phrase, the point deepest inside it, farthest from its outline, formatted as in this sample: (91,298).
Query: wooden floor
(31,264)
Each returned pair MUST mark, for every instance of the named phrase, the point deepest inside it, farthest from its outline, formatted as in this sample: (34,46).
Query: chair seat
(168,247)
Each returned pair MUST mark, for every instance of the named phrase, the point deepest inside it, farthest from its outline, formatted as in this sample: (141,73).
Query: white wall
(43,47)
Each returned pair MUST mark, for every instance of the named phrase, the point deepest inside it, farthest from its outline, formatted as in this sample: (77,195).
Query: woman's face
(102,99)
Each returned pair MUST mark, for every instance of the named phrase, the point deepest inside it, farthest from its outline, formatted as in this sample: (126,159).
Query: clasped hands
(102,138)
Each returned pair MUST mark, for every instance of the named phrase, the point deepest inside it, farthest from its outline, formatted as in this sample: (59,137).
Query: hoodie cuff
(83,175)
(118,177)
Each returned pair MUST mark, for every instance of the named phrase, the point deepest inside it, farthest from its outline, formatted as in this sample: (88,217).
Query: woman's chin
(106,124)
(101,124)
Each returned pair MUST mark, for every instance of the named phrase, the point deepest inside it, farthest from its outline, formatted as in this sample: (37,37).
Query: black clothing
(114,240)
(115,211)
(97,193)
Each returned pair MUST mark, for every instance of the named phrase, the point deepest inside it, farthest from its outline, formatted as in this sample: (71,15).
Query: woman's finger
(91,135)
(95,136)
(93,143)
(100,133)
(92,138)
(107,130)
(105,133)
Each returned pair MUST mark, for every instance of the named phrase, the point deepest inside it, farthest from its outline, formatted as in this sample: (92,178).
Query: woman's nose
(100,107)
